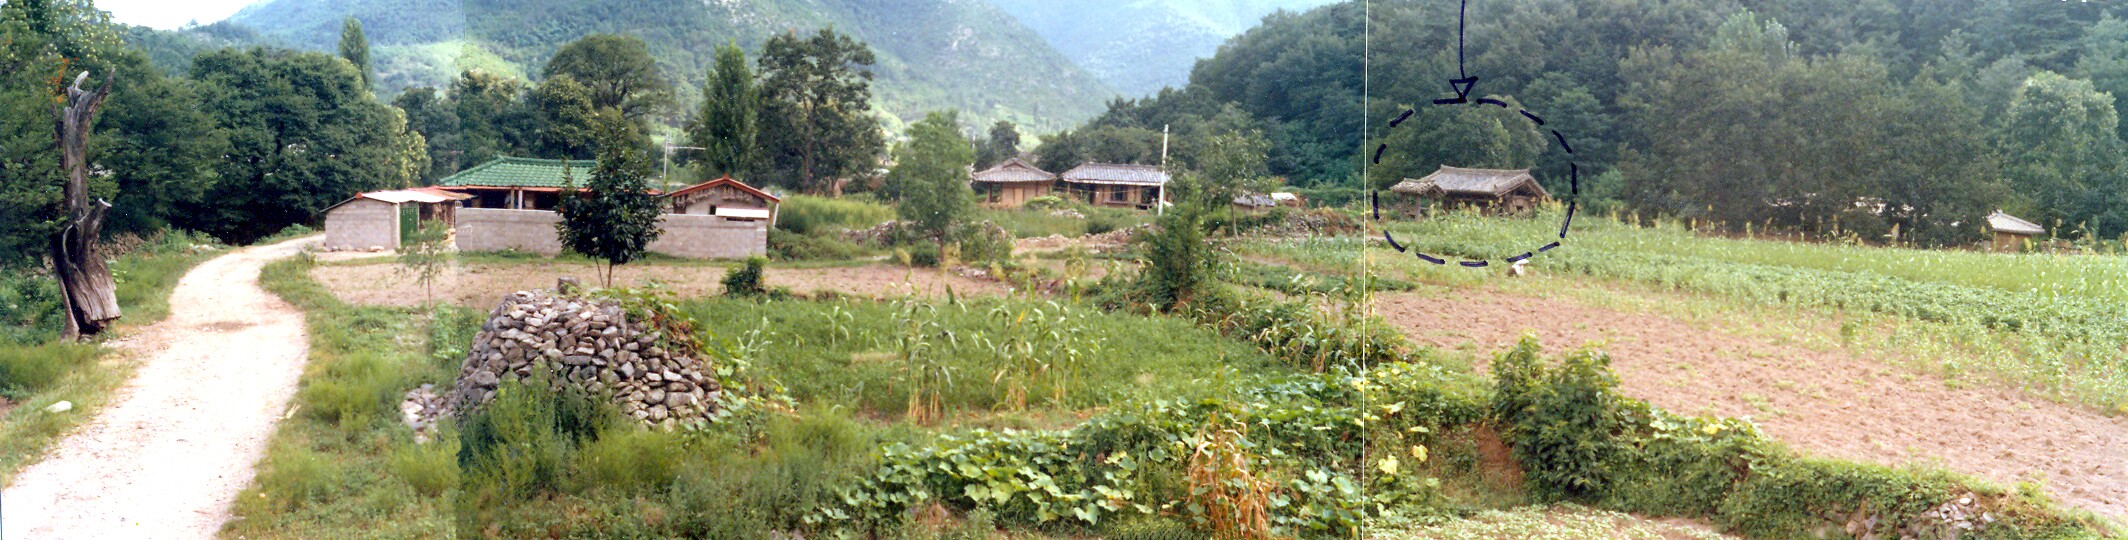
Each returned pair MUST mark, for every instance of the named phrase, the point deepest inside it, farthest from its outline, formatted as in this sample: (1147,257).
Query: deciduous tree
(615,217)
(816,92)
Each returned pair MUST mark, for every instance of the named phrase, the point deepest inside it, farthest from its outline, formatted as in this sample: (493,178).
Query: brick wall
(699,237)
(710,237)
(495,229)
(362,224)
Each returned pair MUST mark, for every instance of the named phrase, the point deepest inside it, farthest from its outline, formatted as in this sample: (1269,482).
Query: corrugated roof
(400,196)
(2002,222)
(1461,181)
(509,171)
(1013,170)
(1116,173)
(1256,199)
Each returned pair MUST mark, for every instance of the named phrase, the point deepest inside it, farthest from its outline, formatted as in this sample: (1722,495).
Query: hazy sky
(167,14)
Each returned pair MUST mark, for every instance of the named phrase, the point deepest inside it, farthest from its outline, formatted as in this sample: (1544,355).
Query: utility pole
(1160,203)
(668,161)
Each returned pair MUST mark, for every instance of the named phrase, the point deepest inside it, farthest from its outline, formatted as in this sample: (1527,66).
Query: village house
(1011,184)
(1118,185)
(517,183)
(507,205)
(725,198)
(378,219)
(1492,191)
(2011,233)
(1258,202)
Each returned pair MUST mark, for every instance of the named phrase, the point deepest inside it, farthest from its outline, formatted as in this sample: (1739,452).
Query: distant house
(1258,202)
(725,198)
(1113,184)
(1012,183)
(515,183)
(2011,232)
(1495,191)
(376,219)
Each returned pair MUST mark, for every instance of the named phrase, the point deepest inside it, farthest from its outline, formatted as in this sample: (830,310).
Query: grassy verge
(1032,223)
(342,466)
(36,371)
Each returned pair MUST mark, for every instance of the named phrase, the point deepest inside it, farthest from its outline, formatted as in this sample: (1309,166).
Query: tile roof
(509,171)
(1461,181)
(1013,170)
(1116,173)
(722,181)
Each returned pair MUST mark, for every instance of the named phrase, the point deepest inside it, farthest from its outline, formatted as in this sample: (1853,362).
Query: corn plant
(1226,496)
(928,374)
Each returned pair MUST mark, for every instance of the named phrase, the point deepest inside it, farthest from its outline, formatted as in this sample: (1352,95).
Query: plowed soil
(1808,392)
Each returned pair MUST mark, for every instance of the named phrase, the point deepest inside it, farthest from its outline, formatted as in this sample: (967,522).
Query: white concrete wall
(362,224)
(690,236)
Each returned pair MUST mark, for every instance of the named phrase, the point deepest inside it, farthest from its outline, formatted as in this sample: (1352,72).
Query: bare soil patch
(1824,401)
(482,284)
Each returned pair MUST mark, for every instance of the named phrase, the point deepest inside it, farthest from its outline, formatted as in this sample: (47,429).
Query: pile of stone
(588,344)
(420,410)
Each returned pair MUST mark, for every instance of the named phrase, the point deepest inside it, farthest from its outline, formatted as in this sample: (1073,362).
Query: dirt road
(1824,400)
(168,457)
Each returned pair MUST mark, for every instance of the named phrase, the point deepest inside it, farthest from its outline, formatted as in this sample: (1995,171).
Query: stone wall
(532,231)
(592,345)
(494,229)
(362,224)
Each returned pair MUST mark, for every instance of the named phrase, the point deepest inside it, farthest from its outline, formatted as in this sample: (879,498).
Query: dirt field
(1811,394)
(480,285)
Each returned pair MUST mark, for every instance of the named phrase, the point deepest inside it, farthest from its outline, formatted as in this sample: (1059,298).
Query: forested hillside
(1922,115)
(933,54)
(1141,46)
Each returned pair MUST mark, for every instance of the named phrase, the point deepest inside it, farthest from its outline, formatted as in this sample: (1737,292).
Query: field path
(167,458)
(1818,397)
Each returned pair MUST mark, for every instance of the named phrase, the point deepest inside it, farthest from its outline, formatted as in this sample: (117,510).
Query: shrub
(1048,202)
(518,444)
(626,459)
(430,468)
(811,215)
(745,279)
(1565,421)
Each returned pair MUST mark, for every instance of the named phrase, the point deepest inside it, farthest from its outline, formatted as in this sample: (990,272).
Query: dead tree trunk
(85,285)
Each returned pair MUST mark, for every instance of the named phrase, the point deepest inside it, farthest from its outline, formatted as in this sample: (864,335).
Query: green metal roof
(509,171)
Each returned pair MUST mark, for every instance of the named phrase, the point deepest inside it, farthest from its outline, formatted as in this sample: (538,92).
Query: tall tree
(432,114)
(355,48)
(2063,153)
(931,169)
(817,96)
(618,70)
(729,119)
(303,134)
(615,218)
(1003,144)
(493,118)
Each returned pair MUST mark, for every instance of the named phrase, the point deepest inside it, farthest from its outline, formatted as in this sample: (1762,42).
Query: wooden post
(85,285)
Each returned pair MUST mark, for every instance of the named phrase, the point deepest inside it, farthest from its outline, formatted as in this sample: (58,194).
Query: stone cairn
(589,344)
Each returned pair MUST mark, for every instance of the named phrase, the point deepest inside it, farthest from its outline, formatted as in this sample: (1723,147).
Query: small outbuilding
(376,219)
(1012,183)
(2012,232)
(725,198)
(1116,184)
(1493,191)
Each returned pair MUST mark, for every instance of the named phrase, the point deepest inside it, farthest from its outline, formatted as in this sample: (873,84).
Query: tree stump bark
(85,284)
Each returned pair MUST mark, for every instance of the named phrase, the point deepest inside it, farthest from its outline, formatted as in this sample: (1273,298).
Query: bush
(810,215)
(745,279)
(627,459)
(430,468)
(1049,202)
(519,443)
(1565,421)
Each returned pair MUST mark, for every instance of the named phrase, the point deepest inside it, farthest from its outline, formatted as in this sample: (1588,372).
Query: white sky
(168,14)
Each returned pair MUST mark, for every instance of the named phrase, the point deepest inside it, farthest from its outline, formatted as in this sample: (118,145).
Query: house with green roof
(517,183)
